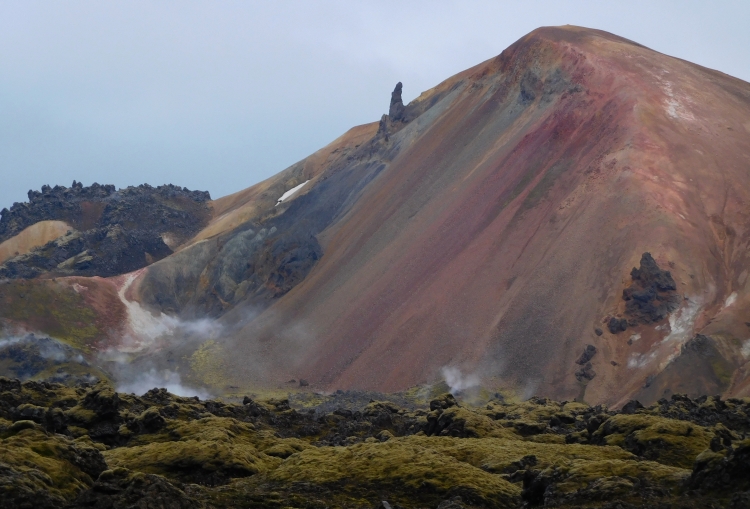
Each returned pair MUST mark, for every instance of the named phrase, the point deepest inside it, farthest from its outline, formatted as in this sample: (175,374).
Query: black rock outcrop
(587,355)
(396,111)
(97,252)
(116,231)
(586,372)
(617,325)
(652,295)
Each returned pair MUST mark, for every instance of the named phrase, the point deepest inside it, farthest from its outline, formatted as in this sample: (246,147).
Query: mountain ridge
(490,226)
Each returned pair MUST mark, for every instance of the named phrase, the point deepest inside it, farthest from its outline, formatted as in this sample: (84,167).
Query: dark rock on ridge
(101,205)
(396,110)
(118,230)
(652,295)
(107,251)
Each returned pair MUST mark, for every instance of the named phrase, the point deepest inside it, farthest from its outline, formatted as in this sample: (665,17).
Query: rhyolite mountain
(570,218)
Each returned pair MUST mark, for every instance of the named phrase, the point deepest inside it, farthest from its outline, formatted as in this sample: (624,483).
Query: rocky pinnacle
(396,112)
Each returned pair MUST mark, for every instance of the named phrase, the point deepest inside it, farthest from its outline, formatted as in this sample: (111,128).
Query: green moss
(208,364)
(476,424)
(499,455)
(667,441)
(212,447)
(578,474)
(39,467)
(285,448)
(51,308)
(404,465)
(81,416)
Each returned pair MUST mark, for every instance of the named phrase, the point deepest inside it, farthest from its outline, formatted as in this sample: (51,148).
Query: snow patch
(635,337)
(291,193)
(730,300)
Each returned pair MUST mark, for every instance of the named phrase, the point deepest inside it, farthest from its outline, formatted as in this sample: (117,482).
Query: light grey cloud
(219,95)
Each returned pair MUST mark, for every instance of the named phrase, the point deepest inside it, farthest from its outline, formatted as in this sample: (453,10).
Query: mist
(457,381)
(139,383)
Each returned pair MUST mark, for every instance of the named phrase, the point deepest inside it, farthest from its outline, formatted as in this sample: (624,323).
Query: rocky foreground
(89,446)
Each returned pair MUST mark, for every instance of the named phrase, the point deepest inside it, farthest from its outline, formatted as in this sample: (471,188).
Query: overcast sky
(220,95)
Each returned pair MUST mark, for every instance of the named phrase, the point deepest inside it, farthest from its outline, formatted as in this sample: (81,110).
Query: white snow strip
(291,192)
(730,300)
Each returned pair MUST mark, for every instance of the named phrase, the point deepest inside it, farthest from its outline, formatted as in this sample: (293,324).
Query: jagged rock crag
(652,295)
(115,231)
(397,109)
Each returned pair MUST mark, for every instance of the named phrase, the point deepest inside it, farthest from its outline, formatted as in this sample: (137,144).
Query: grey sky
(219,95)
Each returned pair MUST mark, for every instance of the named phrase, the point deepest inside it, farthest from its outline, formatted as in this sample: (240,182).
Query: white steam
(165,379)
(746,349)
(681,322)
(641,360)
(458,382)
(49,348)
(147,328)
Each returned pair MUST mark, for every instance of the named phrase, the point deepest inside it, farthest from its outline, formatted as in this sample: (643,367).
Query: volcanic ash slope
(491,226)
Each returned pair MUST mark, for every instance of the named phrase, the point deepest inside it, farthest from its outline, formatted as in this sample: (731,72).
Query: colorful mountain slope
(503,227)
(490,228)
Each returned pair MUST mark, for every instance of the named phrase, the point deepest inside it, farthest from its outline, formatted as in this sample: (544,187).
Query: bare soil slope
(502,231)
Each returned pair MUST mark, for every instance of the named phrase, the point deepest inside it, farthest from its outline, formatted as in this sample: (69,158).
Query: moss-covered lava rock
(90,446)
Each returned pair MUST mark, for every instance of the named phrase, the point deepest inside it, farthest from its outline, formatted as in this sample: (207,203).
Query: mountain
(568,219)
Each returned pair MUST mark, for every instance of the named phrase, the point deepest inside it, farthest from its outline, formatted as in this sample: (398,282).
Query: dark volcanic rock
(396,111)
(120,488)
(617,325)
(631,407)
(720,471)
(98,252)
(117,231)
(585,373)
(652,295)
(587,355)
